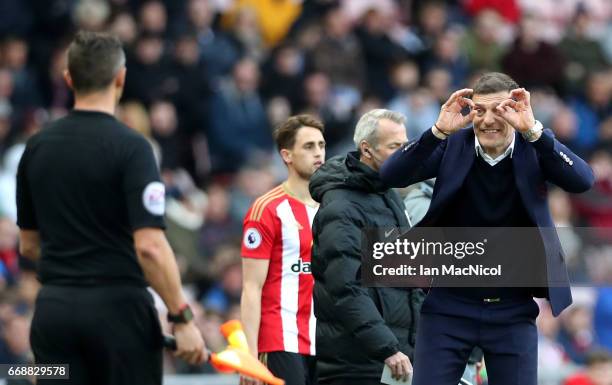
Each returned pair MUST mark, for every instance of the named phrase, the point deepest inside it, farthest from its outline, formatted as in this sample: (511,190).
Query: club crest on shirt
(252,238)
(154,198)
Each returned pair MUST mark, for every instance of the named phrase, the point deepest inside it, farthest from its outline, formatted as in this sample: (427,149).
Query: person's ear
(365,149)
(68,79)
(286,155)
(120,78)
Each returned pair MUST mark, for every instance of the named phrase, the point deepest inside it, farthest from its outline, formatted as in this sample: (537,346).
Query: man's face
(493,132)
(390,137)
(308,152)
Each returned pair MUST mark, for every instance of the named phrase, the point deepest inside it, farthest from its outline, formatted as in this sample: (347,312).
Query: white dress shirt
(488,158)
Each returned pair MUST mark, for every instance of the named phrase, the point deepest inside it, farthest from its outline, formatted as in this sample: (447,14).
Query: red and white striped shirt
(278,227)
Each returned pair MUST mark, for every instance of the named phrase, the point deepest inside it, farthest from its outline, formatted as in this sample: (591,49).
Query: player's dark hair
(493,82)
(598,357)
(285,134)
(94,59)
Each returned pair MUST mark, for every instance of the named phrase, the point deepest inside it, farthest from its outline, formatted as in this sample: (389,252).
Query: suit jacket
(535,163)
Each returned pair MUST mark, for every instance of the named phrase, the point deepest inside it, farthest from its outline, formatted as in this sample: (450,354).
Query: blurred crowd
(209,79)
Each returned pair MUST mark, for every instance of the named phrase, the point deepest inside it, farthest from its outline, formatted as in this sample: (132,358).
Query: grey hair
(368,123)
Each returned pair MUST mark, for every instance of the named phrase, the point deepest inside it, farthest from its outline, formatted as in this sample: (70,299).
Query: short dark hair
(94,59)
(493,82)
(285,134)
(597,357)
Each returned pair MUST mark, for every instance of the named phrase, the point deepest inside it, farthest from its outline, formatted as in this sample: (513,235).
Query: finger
(406,370)
(394,371)
(194,356)
(518,93)
(400,370)
(201,357)
(190,358)
(469,118)
(458,94)
(501,107)
(465,102)
(521,94)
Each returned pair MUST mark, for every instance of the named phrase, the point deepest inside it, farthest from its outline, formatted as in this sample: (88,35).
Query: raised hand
(517,110)
(450,119)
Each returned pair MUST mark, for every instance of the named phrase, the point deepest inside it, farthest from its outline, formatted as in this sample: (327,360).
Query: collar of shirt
(488,158)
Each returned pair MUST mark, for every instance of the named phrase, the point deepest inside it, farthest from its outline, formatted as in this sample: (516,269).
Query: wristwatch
(184,315)
(534,132)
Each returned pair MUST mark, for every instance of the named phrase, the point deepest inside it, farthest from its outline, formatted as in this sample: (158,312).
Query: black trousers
(294,368)
(450,327)
(108,335)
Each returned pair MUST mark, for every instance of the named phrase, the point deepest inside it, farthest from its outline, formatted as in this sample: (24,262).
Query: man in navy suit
(491,175)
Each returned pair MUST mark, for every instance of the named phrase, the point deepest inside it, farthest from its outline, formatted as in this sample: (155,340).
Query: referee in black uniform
(90,208)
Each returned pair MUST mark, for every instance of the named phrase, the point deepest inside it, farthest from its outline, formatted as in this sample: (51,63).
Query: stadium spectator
(284,75)
(219,227)
(582,53)
(380,52)
(598,370)
(55,94)
(576,333)
(150,76)
(164,130)
(217,51)
(447,54)
(591,108)
(482,42)
(14,54)
(124,26)
(153,18)
(552,360)
(91,15)
(432,20)
(339,54)
(239,113)
(531,61)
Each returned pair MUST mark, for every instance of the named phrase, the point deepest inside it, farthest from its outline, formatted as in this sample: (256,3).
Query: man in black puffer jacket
(359,329)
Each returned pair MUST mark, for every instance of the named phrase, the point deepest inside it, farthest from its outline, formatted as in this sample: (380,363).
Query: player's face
(493,132)
(308,152)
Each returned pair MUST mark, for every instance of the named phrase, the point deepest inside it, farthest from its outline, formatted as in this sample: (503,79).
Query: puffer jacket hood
(345,172)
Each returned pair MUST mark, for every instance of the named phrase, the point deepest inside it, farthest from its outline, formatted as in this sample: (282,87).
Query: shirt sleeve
(144,192)
(26,218)
(258,235)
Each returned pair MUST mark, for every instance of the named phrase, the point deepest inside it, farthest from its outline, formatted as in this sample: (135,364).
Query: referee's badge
(252,238)
(154,198)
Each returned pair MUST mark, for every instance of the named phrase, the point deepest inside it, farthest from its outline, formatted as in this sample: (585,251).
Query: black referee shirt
(86,182)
